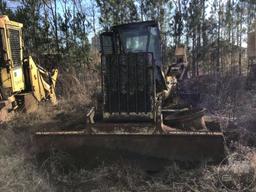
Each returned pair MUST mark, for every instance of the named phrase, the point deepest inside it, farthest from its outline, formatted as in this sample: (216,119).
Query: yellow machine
(22,82)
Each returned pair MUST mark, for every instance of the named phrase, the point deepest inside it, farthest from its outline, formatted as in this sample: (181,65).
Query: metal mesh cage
(15,46)
(128,83)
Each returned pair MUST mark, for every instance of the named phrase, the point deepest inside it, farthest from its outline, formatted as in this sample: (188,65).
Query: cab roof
(134,25)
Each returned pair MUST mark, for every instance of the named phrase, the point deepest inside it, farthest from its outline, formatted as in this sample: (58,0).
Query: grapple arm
(41,82)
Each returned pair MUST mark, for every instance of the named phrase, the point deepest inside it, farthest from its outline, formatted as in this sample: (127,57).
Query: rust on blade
(60,133)
(201,133)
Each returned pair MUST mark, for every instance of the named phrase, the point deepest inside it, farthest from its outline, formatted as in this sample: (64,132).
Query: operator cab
(140,37)
(131,63)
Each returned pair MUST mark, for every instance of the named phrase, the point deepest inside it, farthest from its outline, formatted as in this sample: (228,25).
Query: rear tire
(27,102)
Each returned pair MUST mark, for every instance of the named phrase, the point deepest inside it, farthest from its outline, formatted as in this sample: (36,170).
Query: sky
(12,4)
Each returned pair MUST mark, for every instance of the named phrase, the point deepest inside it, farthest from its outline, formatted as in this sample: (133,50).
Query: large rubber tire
(27,103)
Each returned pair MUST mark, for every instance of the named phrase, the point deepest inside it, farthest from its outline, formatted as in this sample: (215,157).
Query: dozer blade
(180,146)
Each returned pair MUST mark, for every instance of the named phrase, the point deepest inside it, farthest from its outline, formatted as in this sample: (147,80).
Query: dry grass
(20,171)
(235,106)
(19,168)
(17,174)
(122,176)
